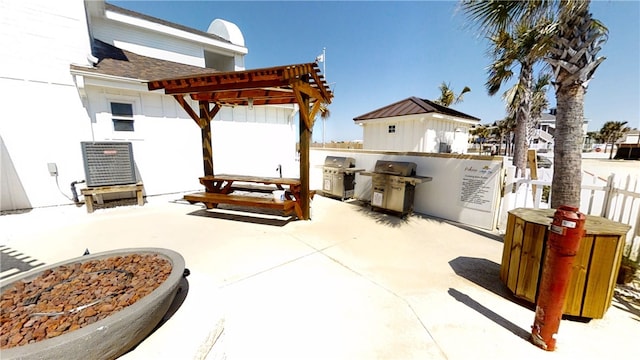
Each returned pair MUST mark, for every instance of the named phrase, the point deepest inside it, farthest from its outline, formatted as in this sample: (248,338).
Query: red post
(565,233)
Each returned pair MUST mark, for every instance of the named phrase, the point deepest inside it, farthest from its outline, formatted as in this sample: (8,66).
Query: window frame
(122,118)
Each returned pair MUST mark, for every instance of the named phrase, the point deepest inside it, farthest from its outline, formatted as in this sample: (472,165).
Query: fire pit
(92,307)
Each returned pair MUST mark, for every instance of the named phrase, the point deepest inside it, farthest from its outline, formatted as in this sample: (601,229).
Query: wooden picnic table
(220,188)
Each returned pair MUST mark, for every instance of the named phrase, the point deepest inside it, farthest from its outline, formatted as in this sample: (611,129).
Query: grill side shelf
(414,180)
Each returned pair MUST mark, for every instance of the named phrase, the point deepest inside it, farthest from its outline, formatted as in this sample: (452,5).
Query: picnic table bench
(220,188)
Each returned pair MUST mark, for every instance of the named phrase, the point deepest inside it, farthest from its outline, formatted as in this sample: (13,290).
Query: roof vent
(226,30)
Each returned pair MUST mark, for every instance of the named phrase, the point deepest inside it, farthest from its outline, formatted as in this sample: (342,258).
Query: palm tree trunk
(522,119)
(610,150)
(567,164)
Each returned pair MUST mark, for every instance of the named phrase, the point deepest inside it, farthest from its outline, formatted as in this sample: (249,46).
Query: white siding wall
(422,134)
(460,139)
(147,43)
(255,141)
(167,142)
(166,147)
(42,117)
(40,38)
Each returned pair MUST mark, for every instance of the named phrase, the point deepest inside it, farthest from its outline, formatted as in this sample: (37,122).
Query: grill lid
(339,162)
(398,168)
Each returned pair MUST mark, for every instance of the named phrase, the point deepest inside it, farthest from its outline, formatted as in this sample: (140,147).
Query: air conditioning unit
(108,163)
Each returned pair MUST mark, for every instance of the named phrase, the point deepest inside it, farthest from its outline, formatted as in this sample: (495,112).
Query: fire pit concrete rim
(92,338)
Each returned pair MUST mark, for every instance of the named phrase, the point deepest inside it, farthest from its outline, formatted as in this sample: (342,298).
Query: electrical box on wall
(53,169)
(108,163)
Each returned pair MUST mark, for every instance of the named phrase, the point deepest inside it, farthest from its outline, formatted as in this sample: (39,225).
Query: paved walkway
(348,284)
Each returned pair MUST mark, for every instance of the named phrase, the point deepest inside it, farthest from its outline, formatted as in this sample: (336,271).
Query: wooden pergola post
(205,130)
(305,143)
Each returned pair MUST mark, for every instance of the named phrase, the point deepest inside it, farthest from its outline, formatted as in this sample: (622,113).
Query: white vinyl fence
(616,198)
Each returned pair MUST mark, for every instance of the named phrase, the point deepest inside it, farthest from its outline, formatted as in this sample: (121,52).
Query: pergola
(301,84)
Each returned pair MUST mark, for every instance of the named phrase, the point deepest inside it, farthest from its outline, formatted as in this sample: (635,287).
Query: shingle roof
(138,15)
(412,106)
(122,63)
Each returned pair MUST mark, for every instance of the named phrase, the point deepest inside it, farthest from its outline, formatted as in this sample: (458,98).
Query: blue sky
(380,52)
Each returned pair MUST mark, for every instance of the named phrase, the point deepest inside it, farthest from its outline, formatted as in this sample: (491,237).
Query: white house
(418,125)
(629,146)
(77,70)
(543,136)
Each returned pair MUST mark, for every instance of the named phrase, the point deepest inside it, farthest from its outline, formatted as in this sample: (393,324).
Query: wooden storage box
(595,267)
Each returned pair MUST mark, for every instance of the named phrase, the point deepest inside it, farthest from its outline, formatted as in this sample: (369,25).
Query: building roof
(138,15)
(113,61)
(548,117)
(412,106)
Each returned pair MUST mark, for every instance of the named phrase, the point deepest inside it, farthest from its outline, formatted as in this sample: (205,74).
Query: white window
(392,129)
(122,116)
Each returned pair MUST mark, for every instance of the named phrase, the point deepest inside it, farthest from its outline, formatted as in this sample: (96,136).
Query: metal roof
(412,106)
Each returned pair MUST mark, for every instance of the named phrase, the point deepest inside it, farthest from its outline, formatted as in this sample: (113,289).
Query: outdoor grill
(393,185)
(339,176)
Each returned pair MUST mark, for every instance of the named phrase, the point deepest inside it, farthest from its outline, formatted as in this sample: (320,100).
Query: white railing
(617,199)
(545,135)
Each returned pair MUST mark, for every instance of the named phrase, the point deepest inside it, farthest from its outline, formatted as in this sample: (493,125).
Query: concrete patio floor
(348,284)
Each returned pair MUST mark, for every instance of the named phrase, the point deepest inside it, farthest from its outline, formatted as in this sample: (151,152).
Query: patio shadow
(178,300)
(392,219)
(387,218)
(489,314)
(485,273)
(243,216)
(624,300)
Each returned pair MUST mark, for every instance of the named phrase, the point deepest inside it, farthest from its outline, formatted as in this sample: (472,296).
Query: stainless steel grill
(339,176)
(393,185)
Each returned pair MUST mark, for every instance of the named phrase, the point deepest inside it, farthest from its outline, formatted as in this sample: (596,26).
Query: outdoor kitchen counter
(219,189)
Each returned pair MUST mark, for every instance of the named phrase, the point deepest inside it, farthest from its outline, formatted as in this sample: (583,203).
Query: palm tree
(573,60)
(611,132)
(595,137)
(539,103)
(325,113)
(504,129)
(575,39)
(480,134)
(522,47)
(447,97)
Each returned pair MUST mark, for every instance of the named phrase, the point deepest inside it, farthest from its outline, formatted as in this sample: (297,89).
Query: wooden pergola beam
(187,108)
(259,97)
(225,86)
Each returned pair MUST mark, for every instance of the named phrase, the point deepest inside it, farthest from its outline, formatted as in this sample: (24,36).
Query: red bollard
(565,233)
